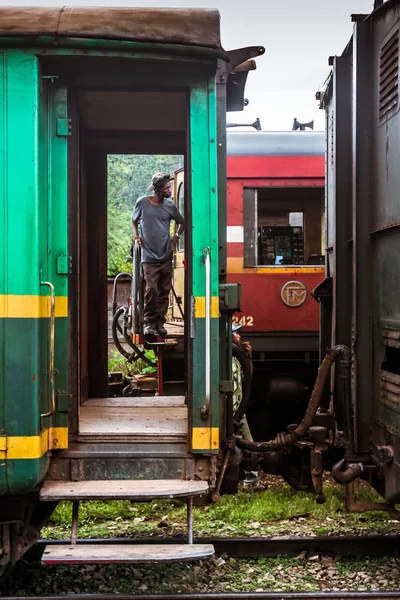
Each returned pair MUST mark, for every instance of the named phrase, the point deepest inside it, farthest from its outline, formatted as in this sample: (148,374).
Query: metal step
(137,490)
(124,450)
(140,423)
(138,401)
(84,461)
(137,553)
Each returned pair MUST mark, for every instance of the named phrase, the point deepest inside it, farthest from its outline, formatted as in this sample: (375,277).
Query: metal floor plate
(137,553)
(138,490)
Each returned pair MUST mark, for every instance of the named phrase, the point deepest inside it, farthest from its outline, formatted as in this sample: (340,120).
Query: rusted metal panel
(195,27)
(153,467)
(390,391)
(362,173)
(141,468)
(391,337)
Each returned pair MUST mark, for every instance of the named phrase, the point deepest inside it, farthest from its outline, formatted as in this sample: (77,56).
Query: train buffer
(135,490)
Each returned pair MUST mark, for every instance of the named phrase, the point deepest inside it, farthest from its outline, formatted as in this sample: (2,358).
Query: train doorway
(141,364)
(120,131)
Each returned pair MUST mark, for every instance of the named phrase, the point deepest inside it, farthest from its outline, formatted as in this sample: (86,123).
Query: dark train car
(360,297)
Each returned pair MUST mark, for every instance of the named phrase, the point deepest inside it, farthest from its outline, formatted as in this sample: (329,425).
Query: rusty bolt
(385,454)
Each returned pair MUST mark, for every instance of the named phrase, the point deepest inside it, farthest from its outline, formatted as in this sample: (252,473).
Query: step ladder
(134,490)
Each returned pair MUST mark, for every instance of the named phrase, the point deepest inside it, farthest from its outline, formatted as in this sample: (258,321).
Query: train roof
(194,27)
(382,9)
(275,143)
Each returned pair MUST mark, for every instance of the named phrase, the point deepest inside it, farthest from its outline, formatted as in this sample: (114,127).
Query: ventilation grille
(389,78)
(390,391)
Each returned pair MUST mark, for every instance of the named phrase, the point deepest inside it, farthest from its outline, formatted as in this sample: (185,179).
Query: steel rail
(371,545)
(224,596)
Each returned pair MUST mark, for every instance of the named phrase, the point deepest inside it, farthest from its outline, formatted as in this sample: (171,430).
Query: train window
(283,226)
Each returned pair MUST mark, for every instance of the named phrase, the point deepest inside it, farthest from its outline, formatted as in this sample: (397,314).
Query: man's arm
(178,233)
(135,223)
(180,221)
(180,229)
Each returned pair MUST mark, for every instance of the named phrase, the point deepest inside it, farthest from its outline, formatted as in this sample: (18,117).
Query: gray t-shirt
(155,221)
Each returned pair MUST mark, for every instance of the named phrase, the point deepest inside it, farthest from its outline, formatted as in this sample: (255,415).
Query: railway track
(372,545)
(245,548)
(224,596)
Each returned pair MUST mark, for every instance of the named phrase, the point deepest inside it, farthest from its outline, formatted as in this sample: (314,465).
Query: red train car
(275,249)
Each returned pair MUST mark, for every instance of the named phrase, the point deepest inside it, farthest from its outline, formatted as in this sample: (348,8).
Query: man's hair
(160,184)
(158,181)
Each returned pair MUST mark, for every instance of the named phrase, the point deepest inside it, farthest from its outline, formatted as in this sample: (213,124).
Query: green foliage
(128,177)
(116,362)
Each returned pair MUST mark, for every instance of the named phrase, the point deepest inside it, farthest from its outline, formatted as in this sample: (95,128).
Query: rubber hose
(288,439)
(115,325)
(137,353)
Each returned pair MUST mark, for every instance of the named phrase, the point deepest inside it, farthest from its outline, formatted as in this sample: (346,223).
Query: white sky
(299,36)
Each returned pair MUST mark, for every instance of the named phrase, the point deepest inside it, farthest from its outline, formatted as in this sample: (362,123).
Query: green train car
(77,84)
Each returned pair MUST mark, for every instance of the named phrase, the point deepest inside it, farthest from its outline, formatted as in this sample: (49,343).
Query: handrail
(114,304)
(52,344)
(135,289)
(205,409)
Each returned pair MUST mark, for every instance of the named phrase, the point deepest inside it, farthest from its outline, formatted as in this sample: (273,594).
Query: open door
(178,300)
(54,262)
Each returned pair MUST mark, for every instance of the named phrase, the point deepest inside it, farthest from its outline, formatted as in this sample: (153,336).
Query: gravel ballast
(219,574)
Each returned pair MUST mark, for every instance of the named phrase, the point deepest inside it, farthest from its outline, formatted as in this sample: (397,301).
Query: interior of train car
(289,226)
(106,122)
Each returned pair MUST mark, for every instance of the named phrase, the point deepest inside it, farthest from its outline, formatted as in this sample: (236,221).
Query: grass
(272,512)
(118,363)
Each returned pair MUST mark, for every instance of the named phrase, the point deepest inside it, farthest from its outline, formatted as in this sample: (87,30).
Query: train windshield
(283,226)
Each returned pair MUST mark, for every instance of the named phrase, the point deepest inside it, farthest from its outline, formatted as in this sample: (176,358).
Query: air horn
(256,125)
(302,126)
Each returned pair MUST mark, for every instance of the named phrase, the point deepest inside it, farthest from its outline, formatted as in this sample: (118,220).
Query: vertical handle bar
(205,409)
(52,344)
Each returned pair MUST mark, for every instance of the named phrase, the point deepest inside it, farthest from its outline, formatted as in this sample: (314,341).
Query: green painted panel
(25,380)
(199,374)
(204,194)
(2,244)
(3,167)
(24,475)
(56,177)
(22,377)
(33,173)
(204,206)
(58,193)
(22,147)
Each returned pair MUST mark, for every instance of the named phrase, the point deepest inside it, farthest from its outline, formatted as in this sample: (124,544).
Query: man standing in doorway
(153,214)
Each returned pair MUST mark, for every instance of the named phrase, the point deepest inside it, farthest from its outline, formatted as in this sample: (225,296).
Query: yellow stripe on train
(236,265)
(200,307)
(205,438)
(15,306)
(33,446)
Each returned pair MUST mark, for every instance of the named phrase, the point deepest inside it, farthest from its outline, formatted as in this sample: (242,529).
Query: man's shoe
(161,329)
(149,330)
